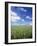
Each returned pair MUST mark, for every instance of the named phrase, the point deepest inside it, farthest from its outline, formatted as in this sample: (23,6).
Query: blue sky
(21,15)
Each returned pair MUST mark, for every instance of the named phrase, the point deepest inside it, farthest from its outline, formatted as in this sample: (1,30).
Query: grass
(21,32)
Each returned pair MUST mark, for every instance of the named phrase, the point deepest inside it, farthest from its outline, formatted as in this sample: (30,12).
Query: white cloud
(14,17)
(28,17)
(13,13)
(23,9)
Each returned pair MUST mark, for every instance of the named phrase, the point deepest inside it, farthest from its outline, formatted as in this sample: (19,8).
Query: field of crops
(21,32)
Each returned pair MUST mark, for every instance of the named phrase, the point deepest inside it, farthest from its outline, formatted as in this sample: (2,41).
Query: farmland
(21,32)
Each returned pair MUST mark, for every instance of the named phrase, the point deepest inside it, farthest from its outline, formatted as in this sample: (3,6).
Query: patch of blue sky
(21,15)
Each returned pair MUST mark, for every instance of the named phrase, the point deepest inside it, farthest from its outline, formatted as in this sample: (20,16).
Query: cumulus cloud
(28,17)
(23,9)
(13,13)
(14,17)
